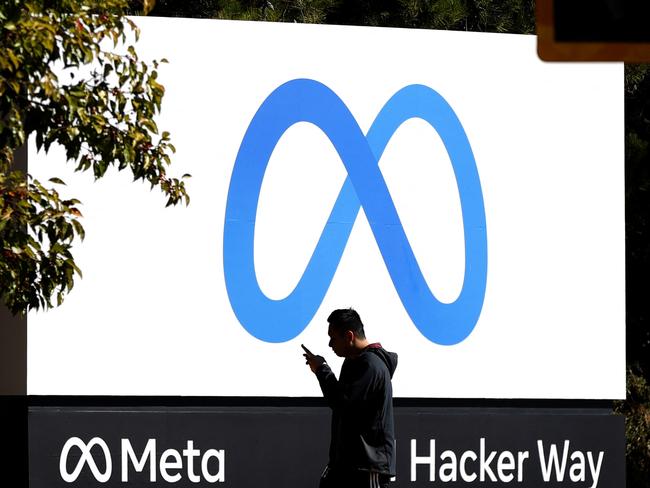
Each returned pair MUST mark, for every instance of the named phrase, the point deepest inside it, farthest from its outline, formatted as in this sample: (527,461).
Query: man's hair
(344,319)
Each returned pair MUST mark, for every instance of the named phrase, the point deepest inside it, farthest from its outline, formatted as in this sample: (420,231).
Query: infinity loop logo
(86,458)
(304,100)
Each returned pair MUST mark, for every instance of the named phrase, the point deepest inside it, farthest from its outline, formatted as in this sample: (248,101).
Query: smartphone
(309,353)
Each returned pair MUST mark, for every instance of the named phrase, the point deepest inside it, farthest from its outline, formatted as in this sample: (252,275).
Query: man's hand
(313,360)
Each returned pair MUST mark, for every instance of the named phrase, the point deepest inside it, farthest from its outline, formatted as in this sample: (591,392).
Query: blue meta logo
(304,100)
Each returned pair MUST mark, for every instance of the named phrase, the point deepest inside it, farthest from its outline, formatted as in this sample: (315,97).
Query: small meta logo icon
(304,100)
(86,458)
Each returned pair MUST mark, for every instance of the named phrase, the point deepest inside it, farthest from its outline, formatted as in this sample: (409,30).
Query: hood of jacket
(389,358)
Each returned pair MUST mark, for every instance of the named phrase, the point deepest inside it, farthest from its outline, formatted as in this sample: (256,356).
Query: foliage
(636,408)
(308,11)
(637,203)
(102,119)
(515,16)
(637,429)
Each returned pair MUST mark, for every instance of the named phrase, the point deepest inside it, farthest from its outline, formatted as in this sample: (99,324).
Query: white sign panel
(465,197)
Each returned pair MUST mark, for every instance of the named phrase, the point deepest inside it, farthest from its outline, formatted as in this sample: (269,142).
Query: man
(362,447)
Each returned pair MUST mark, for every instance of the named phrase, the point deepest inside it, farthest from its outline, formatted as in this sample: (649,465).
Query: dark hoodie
(362,411)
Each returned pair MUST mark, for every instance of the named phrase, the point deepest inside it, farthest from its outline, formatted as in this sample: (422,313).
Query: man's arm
(351,394)
(328,383)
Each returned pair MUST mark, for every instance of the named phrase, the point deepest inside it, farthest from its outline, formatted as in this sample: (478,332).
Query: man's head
(347,337)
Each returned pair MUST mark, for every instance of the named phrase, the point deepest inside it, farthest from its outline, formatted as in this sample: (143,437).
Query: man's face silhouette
(339,341)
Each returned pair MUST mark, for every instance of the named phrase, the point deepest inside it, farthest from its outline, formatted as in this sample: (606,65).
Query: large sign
(463,196)
(265,446)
